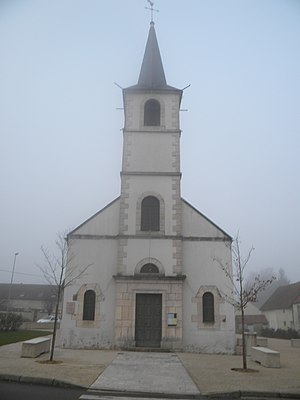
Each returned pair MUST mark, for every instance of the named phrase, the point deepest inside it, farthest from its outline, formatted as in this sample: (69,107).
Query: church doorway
(148,320)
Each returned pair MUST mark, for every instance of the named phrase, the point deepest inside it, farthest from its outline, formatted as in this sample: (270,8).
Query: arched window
(208,307)
(152,113)
(89,305)
(149,269)
(150,214)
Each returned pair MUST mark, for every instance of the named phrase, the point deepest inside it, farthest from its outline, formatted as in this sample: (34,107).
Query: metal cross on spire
(151,9)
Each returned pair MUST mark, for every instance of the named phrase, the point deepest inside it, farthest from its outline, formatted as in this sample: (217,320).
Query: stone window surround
(80,323)
(218,299)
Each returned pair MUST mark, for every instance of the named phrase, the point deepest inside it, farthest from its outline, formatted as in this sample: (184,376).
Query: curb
(247,394)
(239,394)
(148,395)
(40,381)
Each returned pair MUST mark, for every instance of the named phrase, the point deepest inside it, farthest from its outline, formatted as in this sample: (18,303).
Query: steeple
(152,74)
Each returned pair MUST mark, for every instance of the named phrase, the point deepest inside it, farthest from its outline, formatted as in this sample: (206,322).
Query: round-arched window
(89,303)
(208,307)
(152,113)
(150,214)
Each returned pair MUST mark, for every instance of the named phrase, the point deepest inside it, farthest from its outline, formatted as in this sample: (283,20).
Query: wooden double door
(148,320)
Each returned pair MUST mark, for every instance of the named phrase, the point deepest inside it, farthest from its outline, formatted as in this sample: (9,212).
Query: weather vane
(151,9)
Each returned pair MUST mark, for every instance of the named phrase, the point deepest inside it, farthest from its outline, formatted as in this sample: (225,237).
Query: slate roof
(20,291)
(152,75)
(283,297)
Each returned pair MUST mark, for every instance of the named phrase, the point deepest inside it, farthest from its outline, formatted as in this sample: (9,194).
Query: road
(22,391)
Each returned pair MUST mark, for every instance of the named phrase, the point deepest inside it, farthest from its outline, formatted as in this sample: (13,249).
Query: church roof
(152,75)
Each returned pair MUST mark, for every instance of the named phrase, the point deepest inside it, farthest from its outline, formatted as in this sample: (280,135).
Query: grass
(20,336)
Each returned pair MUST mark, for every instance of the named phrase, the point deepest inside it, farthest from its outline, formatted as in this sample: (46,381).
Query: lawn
(19,336)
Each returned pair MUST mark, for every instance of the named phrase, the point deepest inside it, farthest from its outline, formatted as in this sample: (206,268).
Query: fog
(60,117)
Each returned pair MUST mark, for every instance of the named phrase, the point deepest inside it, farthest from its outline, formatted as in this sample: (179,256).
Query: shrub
(11,322)
(280,333)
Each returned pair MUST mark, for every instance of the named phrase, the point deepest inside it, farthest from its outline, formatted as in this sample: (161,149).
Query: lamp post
(10,286)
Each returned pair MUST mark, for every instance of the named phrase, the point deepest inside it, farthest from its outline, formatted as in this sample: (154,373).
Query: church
(153,281)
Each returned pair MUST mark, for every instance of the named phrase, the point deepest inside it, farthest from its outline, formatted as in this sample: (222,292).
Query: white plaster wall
(151,151)
(103,255)
(105,222)
(272,319)
(201,270)
(139,249)
(280,319)
(195,224)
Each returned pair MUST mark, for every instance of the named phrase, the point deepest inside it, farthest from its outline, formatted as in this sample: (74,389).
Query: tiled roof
(283,297)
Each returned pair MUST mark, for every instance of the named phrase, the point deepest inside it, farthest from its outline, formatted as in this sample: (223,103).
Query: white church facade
(153,280)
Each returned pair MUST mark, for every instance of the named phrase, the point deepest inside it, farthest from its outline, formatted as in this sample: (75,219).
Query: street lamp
(10,286)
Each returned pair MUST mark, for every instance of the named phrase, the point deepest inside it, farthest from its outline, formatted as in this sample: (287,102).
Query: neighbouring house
(30,300)
(154,281)
(282,309)
(254,320)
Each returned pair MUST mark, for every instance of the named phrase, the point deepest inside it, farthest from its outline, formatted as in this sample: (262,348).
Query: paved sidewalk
(146,373)
(158,372)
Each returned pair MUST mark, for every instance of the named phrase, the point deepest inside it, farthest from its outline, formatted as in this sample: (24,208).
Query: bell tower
(151,157)
(149,277)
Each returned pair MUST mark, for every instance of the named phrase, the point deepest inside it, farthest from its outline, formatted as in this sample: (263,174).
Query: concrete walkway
(147,373)
(170,373)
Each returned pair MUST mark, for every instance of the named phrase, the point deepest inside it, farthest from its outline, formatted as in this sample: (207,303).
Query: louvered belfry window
(150,214)
(208,307)
(89,305)
(152,113)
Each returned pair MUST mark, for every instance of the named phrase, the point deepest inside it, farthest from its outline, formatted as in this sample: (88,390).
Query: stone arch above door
(149,260)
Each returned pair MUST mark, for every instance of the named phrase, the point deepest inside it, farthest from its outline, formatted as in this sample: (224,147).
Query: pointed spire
(152,74)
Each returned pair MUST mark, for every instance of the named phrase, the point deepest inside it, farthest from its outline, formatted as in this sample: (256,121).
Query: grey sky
(60,130)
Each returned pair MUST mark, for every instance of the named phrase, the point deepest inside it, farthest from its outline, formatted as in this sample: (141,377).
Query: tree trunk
(54,334)
(244,340)
(55,324)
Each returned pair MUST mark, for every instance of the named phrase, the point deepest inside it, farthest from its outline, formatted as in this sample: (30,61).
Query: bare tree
(50,302)
(242,292)
(268,273)
(59,271)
